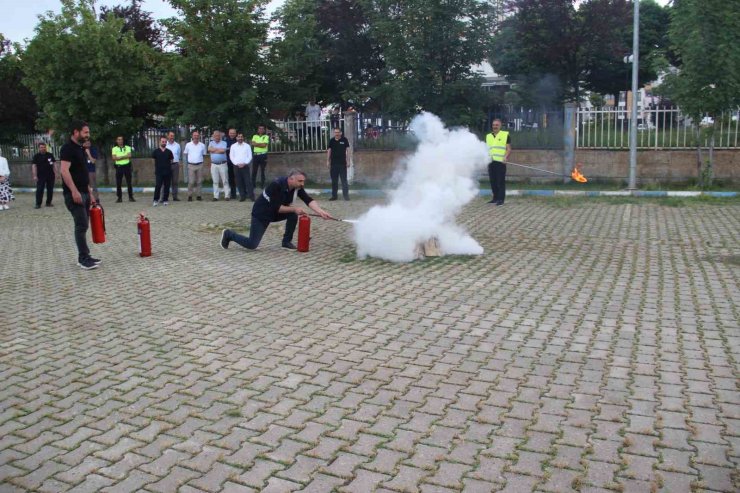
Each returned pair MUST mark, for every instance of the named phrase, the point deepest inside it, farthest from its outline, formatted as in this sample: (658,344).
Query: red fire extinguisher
(304,232)
(97,223)
(145,236)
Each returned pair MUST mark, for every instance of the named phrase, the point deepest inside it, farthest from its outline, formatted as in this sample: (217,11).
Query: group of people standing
(234,164)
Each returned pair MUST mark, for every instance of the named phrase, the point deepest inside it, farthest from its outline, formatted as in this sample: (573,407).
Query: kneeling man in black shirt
(274,205)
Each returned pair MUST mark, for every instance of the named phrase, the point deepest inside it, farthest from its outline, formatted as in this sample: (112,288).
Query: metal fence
(529,128)
(302,135)
(657,128)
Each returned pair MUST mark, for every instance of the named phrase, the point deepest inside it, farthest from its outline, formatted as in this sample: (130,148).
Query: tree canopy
(216,75)
(18,108)
(563,48)
(429,49)
(325,50)
(82,68)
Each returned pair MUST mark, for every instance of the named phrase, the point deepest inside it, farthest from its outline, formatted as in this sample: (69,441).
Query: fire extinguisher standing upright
(145,238)
(304,233)
(97,223)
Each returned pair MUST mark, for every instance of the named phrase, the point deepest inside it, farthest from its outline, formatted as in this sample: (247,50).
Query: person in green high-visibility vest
(122,162)
(260,143)
(499,148)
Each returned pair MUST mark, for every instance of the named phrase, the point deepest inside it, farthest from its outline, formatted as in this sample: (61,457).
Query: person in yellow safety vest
(122,162)
(499,148)
(260,142)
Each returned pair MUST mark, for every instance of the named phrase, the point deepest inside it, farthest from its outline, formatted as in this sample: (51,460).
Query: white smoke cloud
(438,180)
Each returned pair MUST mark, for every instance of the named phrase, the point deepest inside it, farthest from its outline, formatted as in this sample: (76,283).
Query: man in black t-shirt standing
(77,191)
(44,172)
(337,161)
(163,159)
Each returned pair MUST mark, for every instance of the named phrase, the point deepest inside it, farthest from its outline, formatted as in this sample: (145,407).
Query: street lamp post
(632,183)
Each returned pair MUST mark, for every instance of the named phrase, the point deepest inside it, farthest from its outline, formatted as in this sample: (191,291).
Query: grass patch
(217,228)
(568,202)
(733,260)
(348,256)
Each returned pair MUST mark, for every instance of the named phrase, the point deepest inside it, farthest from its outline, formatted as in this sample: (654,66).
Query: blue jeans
(259,226)
(81,216)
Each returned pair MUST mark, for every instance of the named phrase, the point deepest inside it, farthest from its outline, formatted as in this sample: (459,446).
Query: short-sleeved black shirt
(162,161)
(44,163)
(75,154)
(339,150)
(277,193)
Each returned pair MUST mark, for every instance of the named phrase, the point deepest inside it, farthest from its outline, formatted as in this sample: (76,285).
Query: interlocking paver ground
(593,347)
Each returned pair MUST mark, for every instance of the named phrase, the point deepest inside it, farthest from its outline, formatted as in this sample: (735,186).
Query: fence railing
(657,128)
(302,135)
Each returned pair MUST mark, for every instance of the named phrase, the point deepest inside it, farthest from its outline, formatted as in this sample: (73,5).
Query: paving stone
(604,357)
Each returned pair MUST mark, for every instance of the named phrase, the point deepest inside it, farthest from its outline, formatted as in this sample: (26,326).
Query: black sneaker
(224,239)
(131,199)
(37,206)
(491,202)
(119,200)
(87,264)
(499,203)
(332,199)
(242,199)
(95,260)
(199,198)
(288,245)
(190,199)
(49,205)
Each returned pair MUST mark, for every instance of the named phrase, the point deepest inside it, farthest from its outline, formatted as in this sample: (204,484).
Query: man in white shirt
(174,148)
(313,120)
(241,155)
(217,148)
(194,153)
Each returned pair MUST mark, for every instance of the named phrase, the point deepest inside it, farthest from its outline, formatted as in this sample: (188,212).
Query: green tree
(429,49)
(138,21)
(706,37)
(82,68)
(324,49)
(297,55)
(18,108)
(552,46)
(606,26)
(216,77)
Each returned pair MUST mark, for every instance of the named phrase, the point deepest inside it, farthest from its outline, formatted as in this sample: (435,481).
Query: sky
(19,18)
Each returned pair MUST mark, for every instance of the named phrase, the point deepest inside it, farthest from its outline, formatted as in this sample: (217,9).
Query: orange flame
(576,174)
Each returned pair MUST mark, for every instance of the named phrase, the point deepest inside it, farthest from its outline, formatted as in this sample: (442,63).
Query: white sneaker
(165,203)
(5,207)
(155,204)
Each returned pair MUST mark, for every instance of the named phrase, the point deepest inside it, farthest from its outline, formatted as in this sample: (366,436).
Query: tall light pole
(632,184)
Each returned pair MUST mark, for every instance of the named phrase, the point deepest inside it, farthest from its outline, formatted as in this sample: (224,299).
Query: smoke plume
(436,182)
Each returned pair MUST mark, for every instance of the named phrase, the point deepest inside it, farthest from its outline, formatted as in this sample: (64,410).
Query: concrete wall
(377,167)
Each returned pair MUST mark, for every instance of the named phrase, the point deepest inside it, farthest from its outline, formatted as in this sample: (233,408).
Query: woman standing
(6,193)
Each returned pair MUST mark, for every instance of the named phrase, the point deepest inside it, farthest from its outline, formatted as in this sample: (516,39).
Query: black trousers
(81,215)
(232,178)
(161,181)
(337,171)
(45,183)
(259,161)
(259,226)
(121,172)
(244,182)
(497,175)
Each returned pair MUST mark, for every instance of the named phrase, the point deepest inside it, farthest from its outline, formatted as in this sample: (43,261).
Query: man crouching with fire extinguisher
(78,194)
(274,205)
